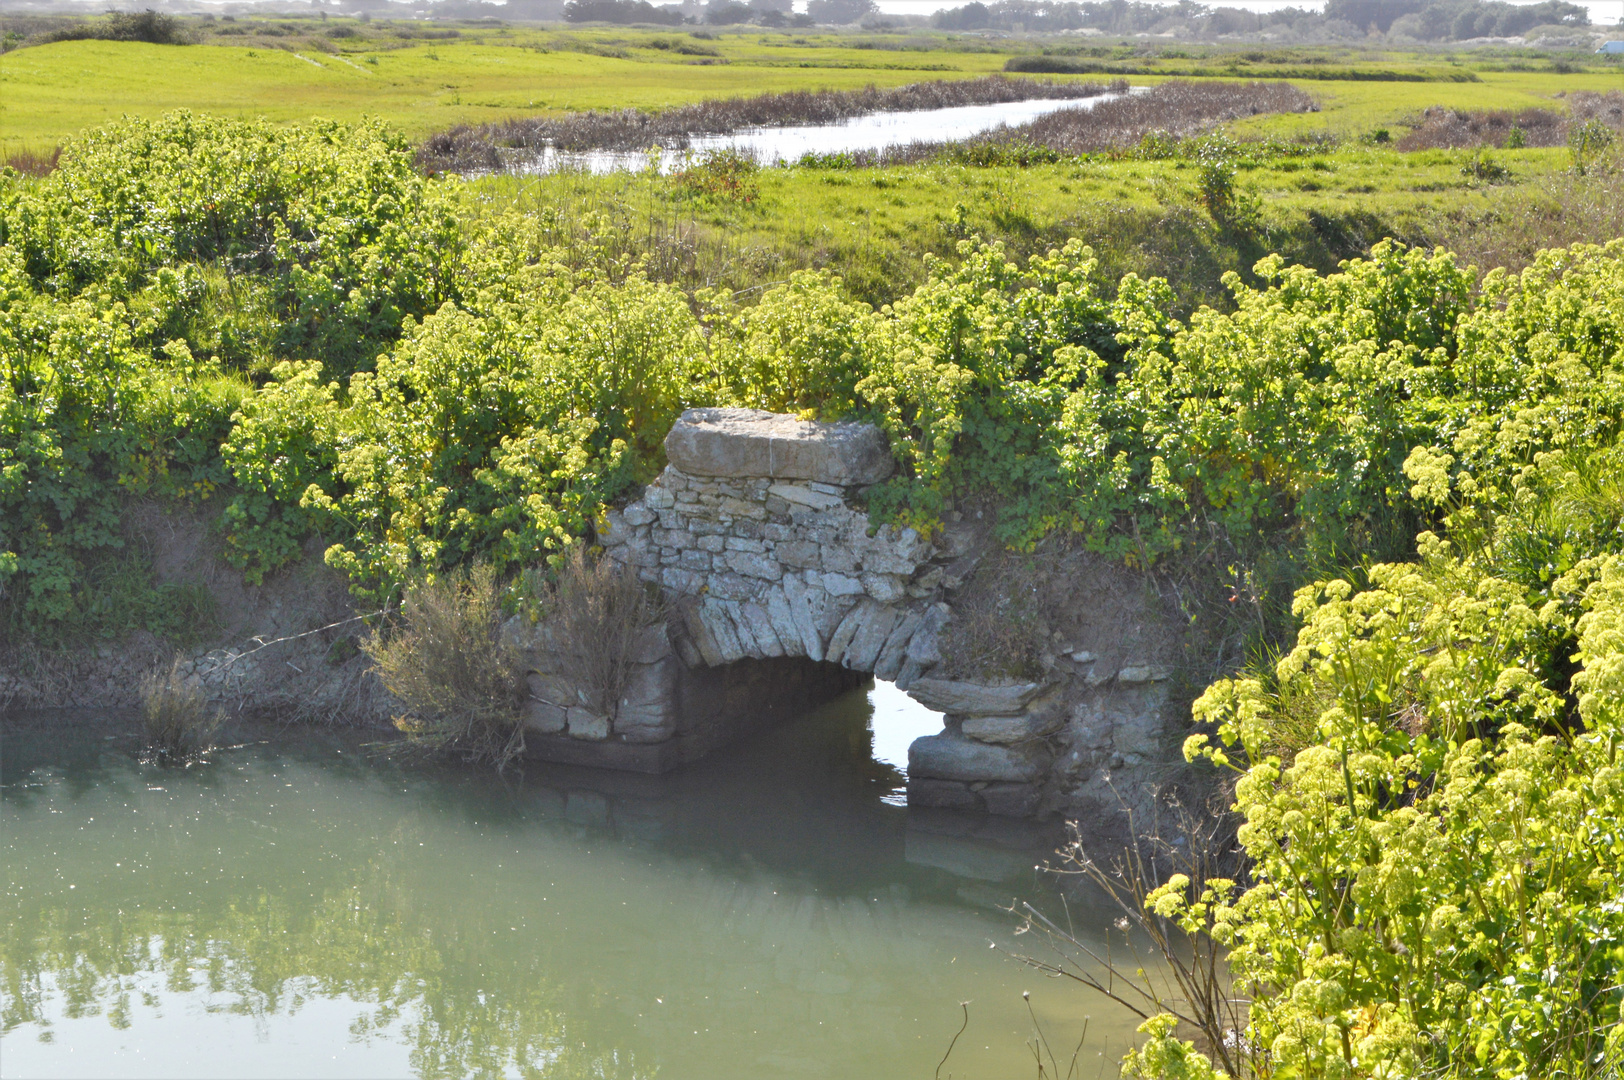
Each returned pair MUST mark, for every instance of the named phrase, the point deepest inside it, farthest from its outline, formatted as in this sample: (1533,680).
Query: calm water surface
(301,907)
(774,145)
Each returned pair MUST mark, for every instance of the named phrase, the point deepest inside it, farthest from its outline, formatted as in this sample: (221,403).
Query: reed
(176,716)
(480,148)
(33,162)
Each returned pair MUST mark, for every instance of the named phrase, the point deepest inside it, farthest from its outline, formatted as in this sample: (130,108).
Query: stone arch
(784,596)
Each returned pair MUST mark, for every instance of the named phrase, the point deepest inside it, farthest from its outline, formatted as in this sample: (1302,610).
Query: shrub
(597,610)
(176,716)
(724,175)
(447,664)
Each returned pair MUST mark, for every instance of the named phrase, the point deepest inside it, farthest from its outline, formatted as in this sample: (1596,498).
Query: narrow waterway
(302,906)
(780,145)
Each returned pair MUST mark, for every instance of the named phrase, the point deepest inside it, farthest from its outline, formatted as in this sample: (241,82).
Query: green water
(299,906)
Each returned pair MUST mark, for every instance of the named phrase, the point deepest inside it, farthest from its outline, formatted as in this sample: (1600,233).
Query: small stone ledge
(753,443)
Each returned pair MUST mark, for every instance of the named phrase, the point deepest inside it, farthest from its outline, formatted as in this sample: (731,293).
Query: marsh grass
(176,716)
(33,162)
(468,148)
(447,664)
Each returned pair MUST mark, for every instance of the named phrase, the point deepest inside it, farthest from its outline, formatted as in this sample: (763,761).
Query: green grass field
(48,92)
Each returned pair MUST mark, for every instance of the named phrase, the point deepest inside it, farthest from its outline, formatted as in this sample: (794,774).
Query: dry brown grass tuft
(33,163)
(1177,108)
(448,665)
(598,609)
(1458,129)
(179,722)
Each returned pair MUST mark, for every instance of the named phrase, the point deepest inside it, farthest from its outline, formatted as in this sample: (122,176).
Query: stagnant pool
(777,145)
(303,906)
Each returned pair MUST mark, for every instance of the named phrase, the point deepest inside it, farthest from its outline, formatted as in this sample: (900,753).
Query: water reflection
(775,145)
(300,907)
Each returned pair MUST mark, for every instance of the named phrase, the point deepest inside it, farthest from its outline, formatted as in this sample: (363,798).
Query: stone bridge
(783,596)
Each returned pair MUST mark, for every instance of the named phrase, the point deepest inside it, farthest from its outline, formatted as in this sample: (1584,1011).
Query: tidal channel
(304,905)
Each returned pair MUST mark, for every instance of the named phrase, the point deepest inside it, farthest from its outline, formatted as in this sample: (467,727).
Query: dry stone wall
(784,594)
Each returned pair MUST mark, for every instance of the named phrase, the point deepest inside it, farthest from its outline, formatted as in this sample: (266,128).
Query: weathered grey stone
(1142,673)
(973,699)
(804,496)
(952,757)
(762,629)
(707,527)
(739,508)
(909,674)
(694,559)
(657,497)
(699,632)
(776,531)
(798,553)
(678,580)
(652,723)
(729,586)
(550,688)
(837,558)
(884,588)
(783,620)
(1011,800)
(752,565)
(750,442)
(544,718)
(895,650)
(637,514)
(1082,656)
(946,794)
(866,644)
(653,644)
(647,684)
(714,544)
(1011,729)
(714,618)
(745,543)
(615,531)
(586,724)
(841,585)
(741,629)
(841,639)
(800,605)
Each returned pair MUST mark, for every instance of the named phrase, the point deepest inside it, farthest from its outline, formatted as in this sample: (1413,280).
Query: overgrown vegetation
(176,716)
(447,664)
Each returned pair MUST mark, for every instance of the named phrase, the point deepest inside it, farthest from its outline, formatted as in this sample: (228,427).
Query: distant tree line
(1425,20)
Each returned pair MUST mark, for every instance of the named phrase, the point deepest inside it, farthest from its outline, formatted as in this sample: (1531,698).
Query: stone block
(797,495)
(550,688)
(707,527)
(638,514)
(694,559)
(713,616)
(870,638)
(800,554)
(895,650)
(841,585)
(714,544)
(1142,673)
(745,543)
(884,588)
(1011,800)
(838,558)
(657,498)
(733,587)
(544,718)
(777,532)
(678,580)
(953,757)
(909,674)
(652,644)
(741,629)
(847,629)
(973,699)
(946,794)
(754,443)
(753,565)
(784,625)
(585,724)
(650,723)
(615,531)
(1011,729)
(755,617)
(797,597)
(700,634)
(739,508)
